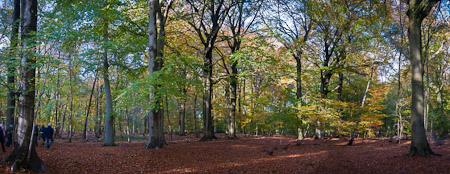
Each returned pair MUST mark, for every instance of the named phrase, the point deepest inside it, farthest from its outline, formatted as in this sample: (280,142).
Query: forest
(226,86)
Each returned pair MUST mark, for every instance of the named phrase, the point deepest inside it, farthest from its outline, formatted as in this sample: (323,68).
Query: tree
(417,12)
(11,69)
(109,124)
(362,105)
(155,57)
(71,97)
(206,18)
(25,156)
(84,136)
(243,11)
(292,24)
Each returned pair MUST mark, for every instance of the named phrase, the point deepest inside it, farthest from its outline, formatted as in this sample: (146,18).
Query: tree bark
(324,82)
(155,52)
(109,121)
(62,121)
(127,116)
(119,124)
(298,80)
(194,110)
(440,103)
(56,114)
(168,116)
(71,101)
(183,115)
(11,96)
(397,108)
(208,133)
(98,120)
(233,85)
(58,97)
(27,81)
(417,11)
(341,86)
(84,136)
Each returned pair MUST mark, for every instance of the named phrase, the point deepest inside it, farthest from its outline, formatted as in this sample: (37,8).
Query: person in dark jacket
(9,135)
(49,135)
(36,133)
(42,134)
(2,138)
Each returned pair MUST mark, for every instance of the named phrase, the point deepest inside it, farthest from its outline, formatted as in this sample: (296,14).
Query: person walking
(49,135)
(2,138)
(36,133)
(9,135)
(42,134)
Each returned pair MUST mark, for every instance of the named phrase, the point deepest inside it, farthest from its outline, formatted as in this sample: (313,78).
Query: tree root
(149,146)
(107,145)
(18,158)
(413,151)
(232,137)
(208,138)
(157,145)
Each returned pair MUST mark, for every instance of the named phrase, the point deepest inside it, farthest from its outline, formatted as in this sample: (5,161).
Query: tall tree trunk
(216,12)
(128,124)
(397,108)
(227,109)
(155,50)
(109,121)
(208,133)
(56,114)
(440,102)
(98,121)
(427,104)
(183,115)
(168,117)
(119,124)
(62,121)
(236,46)
(298,60)
(239,108)
(427,81)
(11,97)
(355,131)
(71,101)
(341,86)
(58,97)
(418,10)
(194,110)
(25,156)
(238,27)
(340,96)
(84,136)
(233,98)
(133,121)
(244,109)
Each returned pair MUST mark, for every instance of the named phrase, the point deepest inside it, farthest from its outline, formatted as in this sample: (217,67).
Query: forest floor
(245,155)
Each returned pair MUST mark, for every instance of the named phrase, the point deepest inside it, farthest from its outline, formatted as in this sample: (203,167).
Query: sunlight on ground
(251,162)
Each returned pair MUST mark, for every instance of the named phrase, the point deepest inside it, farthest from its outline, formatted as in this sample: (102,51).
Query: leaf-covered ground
(245,155)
